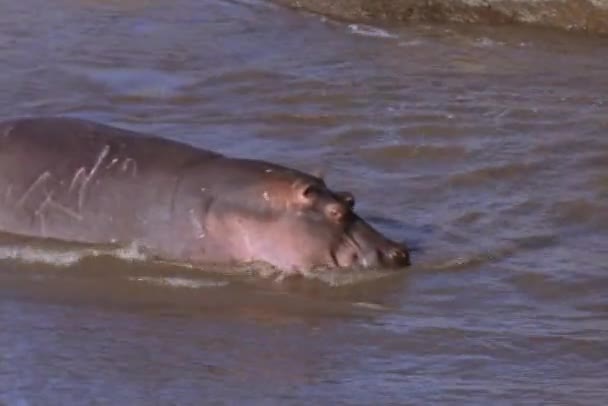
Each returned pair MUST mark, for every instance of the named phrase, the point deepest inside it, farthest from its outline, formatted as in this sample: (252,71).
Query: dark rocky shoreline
(575,15)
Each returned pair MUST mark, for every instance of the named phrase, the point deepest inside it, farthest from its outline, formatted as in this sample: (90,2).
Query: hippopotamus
(81,181)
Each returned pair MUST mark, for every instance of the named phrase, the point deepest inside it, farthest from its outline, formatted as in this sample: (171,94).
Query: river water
(486,149)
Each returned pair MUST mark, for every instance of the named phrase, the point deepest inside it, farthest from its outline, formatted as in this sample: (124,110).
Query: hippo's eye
(310,192)
(347,198)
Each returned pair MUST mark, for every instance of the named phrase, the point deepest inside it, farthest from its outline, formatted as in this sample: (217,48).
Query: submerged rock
(578,15)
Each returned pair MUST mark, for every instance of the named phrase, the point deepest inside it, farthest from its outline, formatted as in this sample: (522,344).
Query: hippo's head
(293,221)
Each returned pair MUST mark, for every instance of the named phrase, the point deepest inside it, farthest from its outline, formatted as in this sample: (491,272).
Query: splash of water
(62,257)
(178,282)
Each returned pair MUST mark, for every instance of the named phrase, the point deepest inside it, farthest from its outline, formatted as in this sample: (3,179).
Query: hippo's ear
(318,173)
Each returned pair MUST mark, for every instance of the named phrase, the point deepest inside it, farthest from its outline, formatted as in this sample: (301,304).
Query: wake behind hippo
(81,181)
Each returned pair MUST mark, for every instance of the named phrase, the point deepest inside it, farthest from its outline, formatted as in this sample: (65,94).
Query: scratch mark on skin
(112,163)
(49,203)
(46,201)
(8,130)
(42,224)
(65,210)
(129,163)
(246,240)
(102,155)
(77,177)
(198,227)
(8,193)
(40,213)
(81,193)
(41,179)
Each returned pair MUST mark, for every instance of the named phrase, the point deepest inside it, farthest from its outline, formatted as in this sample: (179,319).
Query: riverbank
(574,15)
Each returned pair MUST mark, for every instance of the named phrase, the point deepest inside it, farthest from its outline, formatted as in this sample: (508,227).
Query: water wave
(178,282)
(370,31)
(73,256)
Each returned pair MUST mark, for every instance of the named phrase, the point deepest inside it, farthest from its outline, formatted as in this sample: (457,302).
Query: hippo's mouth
(355,252)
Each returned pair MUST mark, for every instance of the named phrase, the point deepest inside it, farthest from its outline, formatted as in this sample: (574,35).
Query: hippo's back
(79,180)
(69,139)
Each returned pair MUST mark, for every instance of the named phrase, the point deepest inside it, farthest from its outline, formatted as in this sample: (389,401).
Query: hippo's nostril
(336,212)
(398,256)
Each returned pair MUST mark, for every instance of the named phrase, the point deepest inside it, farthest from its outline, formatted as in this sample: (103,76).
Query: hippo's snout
(392,256)
(372,249)
(395,256)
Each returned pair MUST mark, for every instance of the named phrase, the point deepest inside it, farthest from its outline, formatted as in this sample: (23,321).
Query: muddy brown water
(486,149)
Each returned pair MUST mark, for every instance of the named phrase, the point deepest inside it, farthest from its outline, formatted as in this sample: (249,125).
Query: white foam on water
(371,306)
(67,257)
(410,43)
(485,42)
(337,278)
(470,259)
(327,276)
(177,282)
(63,257)
(36,255)
(369,31)
(452,263)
